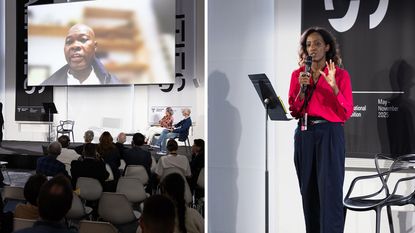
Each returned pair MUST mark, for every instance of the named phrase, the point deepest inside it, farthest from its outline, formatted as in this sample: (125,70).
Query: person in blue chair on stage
(320,97)
(180,130)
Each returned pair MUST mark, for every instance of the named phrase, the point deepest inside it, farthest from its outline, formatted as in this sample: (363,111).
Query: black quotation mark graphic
(180,56)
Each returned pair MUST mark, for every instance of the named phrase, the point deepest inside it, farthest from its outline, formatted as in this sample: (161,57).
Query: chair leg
(390,219)
(73,140)
(378,213)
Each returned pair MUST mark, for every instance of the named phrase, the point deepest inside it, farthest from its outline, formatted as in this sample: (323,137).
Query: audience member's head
(158,215)
(172,145)
(173,186)
(198,146)
(88,136)
(105,143)
(186,112)
(90,150)
(54,149)
(32,188)
(169,111)
(64,141)
(121,138)
(55,199)
(138,139)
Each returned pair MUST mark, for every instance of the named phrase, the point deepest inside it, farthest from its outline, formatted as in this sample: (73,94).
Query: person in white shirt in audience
(165,123)
(67,155)
(172,159)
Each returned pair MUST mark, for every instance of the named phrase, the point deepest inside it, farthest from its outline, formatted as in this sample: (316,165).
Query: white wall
(121,108)
(2,49)
(240,42)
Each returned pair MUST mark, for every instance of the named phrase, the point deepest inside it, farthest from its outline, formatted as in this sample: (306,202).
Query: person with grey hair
(49,165)
(88,138)
(165,123)
(180,130)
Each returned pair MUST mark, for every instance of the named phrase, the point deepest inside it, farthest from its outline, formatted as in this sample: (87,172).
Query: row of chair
(85,226)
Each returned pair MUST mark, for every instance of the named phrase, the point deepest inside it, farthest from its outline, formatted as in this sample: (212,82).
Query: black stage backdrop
(378,50)
(28,99)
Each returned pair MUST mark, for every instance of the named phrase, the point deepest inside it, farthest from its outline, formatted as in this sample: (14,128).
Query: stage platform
(21,154)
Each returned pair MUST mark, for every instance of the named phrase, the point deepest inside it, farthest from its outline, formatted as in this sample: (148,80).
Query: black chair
(65,128)
(383,197)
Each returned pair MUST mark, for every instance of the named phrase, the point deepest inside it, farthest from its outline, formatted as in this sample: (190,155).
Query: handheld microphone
(307,62)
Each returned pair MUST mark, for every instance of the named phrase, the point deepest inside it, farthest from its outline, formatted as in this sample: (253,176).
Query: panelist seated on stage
(49,165)
(180,130)
(165,123)
(82,67)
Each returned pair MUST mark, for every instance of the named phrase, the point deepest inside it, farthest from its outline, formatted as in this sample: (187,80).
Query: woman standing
(321,99)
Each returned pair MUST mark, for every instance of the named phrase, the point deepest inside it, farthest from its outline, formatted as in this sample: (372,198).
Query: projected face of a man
(80,47)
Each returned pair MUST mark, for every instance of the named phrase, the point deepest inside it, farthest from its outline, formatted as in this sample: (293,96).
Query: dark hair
(105,143)
(158,214)
(64,141)
(90,150)
(55,198)
(173,186)
(32,188)
(172,145)
(333,53)
(200,143)
(138,139)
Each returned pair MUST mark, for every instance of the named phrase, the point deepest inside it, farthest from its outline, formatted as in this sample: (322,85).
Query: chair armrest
(404,179)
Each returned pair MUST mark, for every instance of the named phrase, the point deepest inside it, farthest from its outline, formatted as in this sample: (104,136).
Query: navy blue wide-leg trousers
(319,160)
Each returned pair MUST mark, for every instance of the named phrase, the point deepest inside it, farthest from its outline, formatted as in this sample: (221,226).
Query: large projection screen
(130,43)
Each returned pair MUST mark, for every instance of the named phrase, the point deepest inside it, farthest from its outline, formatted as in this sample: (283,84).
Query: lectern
(274,109)
(50,109)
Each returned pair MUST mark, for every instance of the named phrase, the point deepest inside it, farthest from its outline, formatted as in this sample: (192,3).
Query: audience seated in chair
(158,215)
(89,166)
(121,139)
(55,200)
(31,193)
(137,155)
(109,153)
(165,123)
(188,219)
(88,138)
(197,162)
(173,160)
(180,130)
(49,165)
(67,155)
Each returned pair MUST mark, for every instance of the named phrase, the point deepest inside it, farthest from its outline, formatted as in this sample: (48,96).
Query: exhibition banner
(376,41)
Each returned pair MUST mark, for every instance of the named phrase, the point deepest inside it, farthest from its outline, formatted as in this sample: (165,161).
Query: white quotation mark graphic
(349,19)
(33,89)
